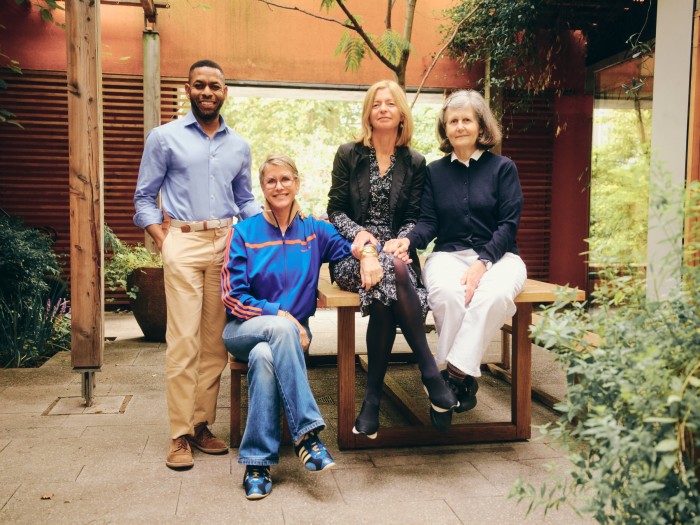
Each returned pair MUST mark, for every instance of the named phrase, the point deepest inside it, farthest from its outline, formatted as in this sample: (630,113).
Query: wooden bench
(346,303)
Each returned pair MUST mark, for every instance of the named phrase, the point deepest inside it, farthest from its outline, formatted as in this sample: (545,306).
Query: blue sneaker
(313,453)
(257,481)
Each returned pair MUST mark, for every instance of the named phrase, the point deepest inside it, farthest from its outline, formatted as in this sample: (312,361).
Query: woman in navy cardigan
(471,206)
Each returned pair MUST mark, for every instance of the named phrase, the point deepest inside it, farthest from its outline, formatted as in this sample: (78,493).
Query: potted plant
(139,272)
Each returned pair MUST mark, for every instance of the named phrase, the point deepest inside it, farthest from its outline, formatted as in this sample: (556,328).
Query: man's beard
(206,117)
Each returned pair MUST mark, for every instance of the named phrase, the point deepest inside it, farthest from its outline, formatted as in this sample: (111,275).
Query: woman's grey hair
(489,129)
(278,159)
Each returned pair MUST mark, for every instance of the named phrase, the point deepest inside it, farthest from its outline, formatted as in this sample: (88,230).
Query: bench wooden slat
(330,296)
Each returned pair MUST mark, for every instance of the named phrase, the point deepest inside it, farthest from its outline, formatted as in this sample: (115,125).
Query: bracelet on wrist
(370,250)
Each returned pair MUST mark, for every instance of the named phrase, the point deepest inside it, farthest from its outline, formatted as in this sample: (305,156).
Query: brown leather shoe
(207,442)
(180,454)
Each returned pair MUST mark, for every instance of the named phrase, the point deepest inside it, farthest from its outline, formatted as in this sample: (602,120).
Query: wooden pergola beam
(86,167)
(136,3)
(149,10)
(149,6)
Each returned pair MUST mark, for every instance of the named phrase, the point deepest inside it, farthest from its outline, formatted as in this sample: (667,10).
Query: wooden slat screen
(34,160)
(529,141)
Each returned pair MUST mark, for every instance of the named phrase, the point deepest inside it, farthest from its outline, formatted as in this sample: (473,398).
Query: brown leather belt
(199,226)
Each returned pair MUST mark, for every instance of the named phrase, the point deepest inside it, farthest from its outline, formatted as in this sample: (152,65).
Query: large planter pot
(149,307)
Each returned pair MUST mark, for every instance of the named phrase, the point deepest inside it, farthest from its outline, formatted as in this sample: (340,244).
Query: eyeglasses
(271,183)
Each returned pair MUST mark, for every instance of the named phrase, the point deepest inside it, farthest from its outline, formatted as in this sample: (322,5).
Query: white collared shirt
(476,156)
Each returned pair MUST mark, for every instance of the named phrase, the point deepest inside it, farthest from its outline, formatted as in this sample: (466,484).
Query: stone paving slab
(372,487)
(399,513)
(115,502)
(109,468)
(501,510)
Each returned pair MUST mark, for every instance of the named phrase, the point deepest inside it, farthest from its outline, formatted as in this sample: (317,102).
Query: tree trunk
(638,110)
(400,72)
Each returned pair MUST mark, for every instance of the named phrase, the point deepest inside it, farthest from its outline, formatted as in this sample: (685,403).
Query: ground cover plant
(632,415)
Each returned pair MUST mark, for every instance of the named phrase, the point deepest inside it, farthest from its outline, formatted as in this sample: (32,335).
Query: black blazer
(349,191)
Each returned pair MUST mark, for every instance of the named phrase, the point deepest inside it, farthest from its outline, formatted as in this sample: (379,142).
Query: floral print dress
(346,272)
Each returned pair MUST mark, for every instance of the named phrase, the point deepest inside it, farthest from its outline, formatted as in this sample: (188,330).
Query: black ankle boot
(367,421)
(465,390)
(441,396)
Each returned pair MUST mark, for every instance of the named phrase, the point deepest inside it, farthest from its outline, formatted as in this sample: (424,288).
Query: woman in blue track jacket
(268,286)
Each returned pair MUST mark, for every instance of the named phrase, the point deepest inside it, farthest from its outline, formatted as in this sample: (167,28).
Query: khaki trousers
(195,354)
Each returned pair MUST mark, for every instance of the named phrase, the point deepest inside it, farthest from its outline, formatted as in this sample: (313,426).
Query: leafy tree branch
(391,48)
(304,11)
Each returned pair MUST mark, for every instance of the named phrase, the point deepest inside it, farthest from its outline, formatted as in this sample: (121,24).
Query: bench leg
(346,376)
(522,368)
(235,408)
(505,349)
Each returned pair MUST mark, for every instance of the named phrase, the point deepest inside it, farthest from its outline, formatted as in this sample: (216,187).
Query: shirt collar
(476,156)
(190,120)
(270,217)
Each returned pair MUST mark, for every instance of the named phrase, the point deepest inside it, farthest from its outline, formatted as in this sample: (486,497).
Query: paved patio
(63,463)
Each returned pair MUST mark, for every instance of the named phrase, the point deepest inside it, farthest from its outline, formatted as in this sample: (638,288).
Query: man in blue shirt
(201,168)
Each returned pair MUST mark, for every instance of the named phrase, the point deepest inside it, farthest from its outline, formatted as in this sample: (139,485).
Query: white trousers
(464,332)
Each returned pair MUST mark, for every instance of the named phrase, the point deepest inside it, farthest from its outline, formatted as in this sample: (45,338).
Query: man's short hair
(205,63)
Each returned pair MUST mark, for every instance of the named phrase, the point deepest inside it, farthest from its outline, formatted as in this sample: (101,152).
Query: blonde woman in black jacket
(375,196)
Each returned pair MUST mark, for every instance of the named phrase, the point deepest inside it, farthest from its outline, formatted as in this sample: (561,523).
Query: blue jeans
(276,375)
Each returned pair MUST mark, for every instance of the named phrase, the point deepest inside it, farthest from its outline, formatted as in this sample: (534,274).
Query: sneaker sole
(327,467)
(357,432)
(257,496)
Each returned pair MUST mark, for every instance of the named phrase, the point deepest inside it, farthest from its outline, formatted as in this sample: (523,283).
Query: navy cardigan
(474,207)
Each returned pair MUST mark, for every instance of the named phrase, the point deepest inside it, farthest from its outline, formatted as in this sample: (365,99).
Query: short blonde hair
(278,159)
(489,129)
(405,129)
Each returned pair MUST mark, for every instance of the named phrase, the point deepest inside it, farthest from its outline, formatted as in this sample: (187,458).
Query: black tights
(381,332)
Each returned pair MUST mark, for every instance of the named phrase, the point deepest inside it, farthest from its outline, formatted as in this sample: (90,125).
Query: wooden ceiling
(608,24)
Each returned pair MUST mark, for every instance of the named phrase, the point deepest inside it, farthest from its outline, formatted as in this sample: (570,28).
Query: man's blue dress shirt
(200,178)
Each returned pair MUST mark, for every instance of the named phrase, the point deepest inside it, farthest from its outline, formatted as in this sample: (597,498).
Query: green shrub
(632,415)
(33,310)
(26,259)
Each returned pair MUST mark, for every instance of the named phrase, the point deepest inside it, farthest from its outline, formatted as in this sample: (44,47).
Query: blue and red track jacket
(264,271)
